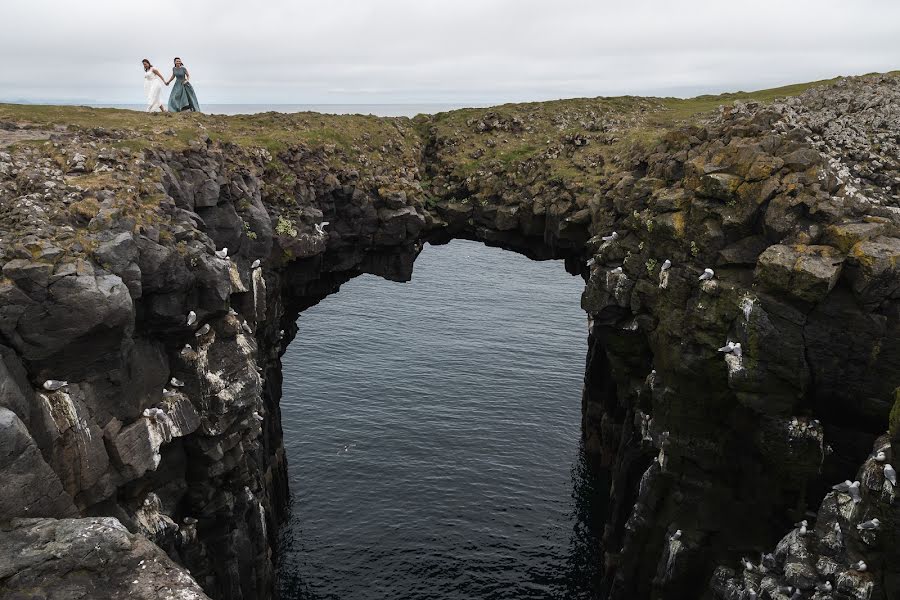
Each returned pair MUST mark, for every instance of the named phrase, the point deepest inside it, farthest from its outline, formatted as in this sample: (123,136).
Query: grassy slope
(612,123)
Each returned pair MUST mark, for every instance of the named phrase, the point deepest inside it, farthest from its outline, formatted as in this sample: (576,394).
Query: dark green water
(433,430)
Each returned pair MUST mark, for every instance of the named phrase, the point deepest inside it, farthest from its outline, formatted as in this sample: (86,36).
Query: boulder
(806,273)
(93,558)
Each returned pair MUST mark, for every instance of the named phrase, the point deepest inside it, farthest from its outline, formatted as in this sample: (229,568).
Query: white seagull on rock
(677,535)
(854,492)
(203,330)
(890,474)
(176,382)
(591,261)
(51,385)
(860,566)
(825,587)
(843,487)
(257,416)
(255,264)
(731,348)
(869,525)
(320,227)
(223,253)
(191,318)
(611,237)
(617,270)
(665,266)
(187,348)
(881,456)
(167,393)
(707,274)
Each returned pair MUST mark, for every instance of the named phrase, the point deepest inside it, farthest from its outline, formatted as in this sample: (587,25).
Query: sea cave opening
(433,436)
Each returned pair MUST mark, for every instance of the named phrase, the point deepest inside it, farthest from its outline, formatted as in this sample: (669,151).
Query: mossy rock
(894,418)
(806,273)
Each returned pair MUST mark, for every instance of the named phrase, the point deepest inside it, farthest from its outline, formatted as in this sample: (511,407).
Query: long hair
(149,64)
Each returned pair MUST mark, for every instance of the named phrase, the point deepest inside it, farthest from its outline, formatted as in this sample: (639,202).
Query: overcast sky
(457,51)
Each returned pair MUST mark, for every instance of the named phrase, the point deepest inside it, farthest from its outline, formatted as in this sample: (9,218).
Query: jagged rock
(87,558)
(793,203)
(38,491)
(807,273)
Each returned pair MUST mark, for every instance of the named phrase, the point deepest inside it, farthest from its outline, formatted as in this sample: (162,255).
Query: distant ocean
(380,110)
(432,431)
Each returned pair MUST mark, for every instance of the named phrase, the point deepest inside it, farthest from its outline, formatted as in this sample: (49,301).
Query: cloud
(316,51)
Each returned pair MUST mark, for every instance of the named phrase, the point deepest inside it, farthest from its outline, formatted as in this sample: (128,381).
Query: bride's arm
(158,74)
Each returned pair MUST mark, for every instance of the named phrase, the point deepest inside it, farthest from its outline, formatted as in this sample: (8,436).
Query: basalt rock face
(96,558)
(116,281)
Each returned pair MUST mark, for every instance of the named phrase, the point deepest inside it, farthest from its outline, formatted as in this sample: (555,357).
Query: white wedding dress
(152,89)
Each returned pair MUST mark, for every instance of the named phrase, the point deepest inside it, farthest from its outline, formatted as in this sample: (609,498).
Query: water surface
(432,432)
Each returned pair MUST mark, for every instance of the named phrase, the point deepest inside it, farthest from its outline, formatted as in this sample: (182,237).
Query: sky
(436,51)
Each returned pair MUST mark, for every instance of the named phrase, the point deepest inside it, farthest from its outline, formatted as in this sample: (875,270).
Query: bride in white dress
(153,83)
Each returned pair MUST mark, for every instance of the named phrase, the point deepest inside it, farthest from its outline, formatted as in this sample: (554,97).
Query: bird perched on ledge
(611,237)
(707,274)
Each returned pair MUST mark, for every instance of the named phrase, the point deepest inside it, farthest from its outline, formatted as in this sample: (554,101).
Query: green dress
(182,96)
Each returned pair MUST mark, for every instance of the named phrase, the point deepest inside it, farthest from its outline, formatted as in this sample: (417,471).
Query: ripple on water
(460,394)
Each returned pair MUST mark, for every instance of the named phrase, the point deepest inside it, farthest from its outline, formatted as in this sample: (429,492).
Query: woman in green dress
(182,96)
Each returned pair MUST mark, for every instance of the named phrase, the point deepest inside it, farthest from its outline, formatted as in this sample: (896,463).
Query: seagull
(320,227)
(187,348)
(203,330)
(748,564)
(843,487)
(611,237)
(617,270)
(707,274)
(665,266)
(854,492)
(176,382)
(728,348)
(825,587)
(280,334)
(167,393)
(860,566)
(676,536)
(255,264)
(223,253)
(870,524)
(591,262)
(890,474)
(232,312)
(880,457)
(257,416)
(191,318)
(51,385)
(246,327)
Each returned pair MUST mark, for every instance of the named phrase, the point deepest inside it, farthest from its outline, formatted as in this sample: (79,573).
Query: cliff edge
(153,267)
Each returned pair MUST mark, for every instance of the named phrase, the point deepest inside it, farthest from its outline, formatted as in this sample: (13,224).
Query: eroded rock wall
(116,280)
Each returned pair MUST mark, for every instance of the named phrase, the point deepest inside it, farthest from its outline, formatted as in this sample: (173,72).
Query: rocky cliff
(154,267)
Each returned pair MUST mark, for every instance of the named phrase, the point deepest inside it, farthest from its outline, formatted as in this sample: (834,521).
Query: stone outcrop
(153,271)
(97,558)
